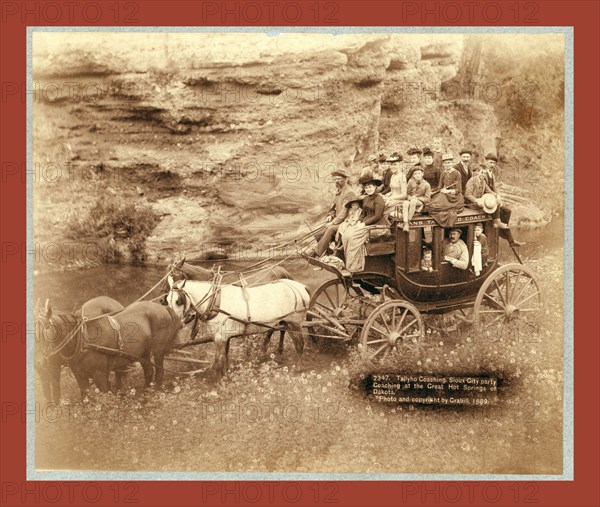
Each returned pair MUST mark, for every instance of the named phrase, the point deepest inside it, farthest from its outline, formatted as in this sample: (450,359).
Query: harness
(213,308)
(65,341)
(213,296)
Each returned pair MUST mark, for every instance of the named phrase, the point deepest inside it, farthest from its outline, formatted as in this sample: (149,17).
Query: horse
(98,346)
(63,329)
(232,311)
(182,270)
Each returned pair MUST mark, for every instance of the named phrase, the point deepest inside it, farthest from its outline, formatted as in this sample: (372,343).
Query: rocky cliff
(232,138)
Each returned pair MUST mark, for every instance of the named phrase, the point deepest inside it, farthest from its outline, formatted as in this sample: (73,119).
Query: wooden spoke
(379,350)
(520,290)
(383,340)
(386,324)
(499,290)
(515,284)
(412,323)
(383,333)
(494,300)
(323,306)
(529,280)
(334,305)
(526,299)
(401,319)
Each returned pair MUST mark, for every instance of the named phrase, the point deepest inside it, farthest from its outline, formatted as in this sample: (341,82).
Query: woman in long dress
(397,185)
(354,237)
(448,200)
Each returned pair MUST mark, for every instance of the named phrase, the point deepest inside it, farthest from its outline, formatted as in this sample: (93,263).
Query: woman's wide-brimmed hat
(394,157)
(489,203)
(369,180)
(353,200)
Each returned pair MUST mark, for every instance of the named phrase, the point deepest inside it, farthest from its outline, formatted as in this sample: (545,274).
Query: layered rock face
(232,137)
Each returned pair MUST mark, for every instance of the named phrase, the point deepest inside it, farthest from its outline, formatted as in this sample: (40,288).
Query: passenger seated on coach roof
(418,195)
(478,194)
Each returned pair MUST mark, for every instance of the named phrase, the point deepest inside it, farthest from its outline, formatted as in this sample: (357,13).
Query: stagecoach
(382,307)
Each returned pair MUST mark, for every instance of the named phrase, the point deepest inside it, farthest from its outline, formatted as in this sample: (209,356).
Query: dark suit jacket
(465,175)
(490,180)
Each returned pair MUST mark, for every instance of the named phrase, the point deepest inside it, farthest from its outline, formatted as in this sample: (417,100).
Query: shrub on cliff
(119,228)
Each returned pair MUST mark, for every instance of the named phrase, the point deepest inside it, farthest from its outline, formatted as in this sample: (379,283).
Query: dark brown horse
(141,332)
(58,343)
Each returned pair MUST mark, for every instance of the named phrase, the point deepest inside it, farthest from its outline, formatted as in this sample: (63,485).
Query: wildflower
(152,428)
(177,389)
(174,422)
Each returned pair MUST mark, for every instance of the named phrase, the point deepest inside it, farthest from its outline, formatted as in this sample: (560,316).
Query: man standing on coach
(337,212)
(463,167)
(490,163)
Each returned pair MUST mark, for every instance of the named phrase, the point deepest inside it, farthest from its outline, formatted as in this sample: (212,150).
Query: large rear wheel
(509,303)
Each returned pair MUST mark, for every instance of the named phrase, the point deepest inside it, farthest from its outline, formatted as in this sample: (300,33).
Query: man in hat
(480,195)
(455,250)
(504,212)
(463,167)
(337,212)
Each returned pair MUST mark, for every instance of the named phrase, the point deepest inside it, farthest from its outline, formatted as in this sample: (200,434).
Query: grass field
(279,416)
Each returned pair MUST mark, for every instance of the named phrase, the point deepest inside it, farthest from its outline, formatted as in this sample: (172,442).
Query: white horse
(232,311)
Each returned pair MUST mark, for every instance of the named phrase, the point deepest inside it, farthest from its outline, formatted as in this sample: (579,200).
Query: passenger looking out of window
(427,261)
(455,250)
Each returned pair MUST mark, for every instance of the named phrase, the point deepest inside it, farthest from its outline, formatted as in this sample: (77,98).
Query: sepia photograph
(299,252)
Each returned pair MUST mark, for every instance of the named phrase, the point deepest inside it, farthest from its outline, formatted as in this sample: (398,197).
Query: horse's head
(189,298)
(48,330)
(51,328)
(177,298)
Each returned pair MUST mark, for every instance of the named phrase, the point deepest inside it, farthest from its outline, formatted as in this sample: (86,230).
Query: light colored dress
(397,195)
(354,237)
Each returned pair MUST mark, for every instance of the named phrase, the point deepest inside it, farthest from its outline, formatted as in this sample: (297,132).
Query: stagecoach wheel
(509,303)
(327,307)
(392,325)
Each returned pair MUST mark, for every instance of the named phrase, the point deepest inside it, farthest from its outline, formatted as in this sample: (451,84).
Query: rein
(213,296)
(213,309)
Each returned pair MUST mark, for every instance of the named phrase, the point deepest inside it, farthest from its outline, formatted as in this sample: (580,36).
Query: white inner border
(568,403)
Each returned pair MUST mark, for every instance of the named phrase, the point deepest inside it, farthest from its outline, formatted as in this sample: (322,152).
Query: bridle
(57,349)
(212,298)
